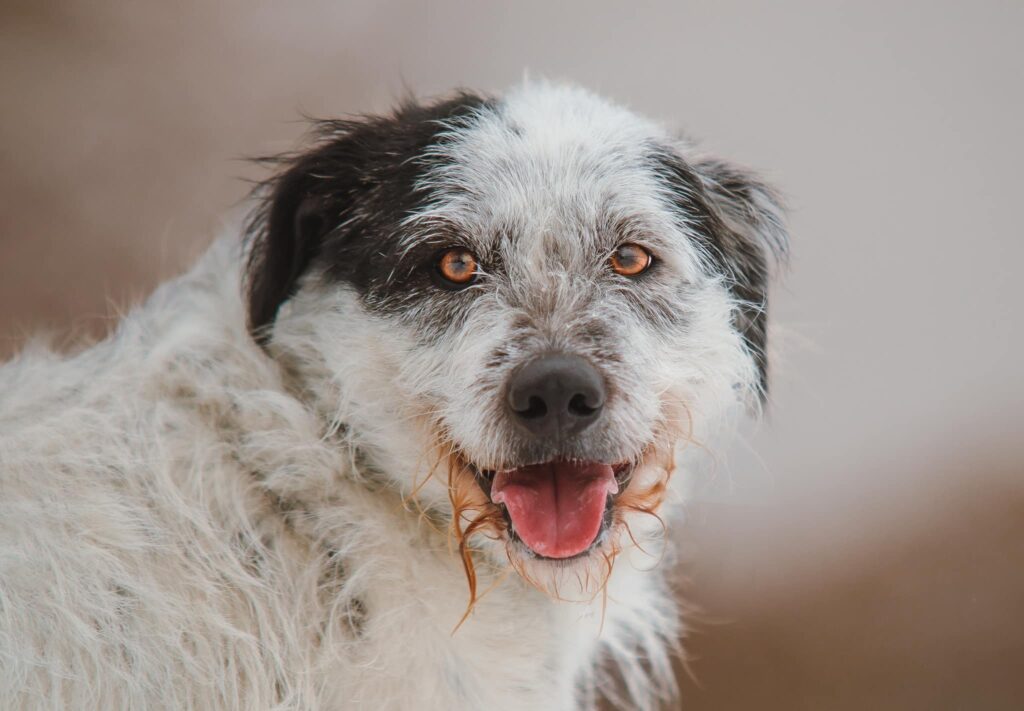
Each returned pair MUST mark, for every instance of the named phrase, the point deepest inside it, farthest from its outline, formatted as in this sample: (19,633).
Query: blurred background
(863,546)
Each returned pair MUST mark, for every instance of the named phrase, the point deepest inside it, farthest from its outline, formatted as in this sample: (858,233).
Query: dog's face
(518,308)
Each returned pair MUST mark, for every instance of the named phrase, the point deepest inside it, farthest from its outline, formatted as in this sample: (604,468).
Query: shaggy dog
(408,443)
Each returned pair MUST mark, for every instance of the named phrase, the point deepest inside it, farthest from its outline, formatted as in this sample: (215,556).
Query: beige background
(864,547)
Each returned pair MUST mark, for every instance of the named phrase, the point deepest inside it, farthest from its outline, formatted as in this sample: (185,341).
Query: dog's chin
(557,513)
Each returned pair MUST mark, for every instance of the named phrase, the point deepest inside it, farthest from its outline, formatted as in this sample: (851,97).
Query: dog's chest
(516,650)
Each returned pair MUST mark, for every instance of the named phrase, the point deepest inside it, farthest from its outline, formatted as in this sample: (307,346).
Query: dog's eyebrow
(421,230)
(615,227)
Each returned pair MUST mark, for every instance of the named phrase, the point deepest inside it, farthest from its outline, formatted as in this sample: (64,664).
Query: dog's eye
(457,267)
(630,260)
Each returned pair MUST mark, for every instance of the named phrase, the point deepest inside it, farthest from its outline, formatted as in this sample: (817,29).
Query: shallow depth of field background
(863,547)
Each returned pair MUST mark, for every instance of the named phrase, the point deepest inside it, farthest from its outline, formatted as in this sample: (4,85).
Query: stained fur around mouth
(623,473)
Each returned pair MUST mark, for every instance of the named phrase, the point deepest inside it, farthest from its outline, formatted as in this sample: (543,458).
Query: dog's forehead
(547,168)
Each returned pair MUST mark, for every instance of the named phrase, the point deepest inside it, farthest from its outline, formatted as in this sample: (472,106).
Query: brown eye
(631,260)
(457,266)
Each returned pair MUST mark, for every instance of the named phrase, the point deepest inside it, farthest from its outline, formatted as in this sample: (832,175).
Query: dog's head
(517,308)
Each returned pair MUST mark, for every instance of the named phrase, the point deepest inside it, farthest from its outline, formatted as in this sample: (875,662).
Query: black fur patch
(340,204)
(738,220)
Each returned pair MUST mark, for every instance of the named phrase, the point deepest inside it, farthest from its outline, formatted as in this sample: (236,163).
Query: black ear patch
(739,220)
(286,233)
(338,201)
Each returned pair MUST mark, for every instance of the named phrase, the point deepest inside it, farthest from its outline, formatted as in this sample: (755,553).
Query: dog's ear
(296,212)
(284,234)
(740,225)
(748,239)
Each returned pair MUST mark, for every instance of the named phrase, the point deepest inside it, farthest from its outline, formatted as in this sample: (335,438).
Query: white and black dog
(408,443)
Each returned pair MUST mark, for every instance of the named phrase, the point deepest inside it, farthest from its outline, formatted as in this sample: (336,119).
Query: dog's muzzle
(557,504)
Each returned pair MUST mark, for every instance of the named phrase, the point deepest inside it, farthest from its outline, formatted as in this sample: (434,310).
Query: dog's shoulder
(138,553)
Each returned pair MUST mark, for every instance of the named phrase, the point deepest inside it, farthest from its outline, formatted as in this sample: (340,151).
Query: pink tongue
(556,507)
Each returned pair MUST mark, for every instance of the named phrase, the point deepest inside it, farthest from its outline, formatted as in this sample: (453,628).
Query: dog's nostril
(556,395)
(536,408)
(578,406)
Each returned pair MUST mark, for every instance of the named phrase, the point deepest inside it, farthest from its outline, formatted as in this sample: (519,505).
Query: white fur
(127,496)
(189,521)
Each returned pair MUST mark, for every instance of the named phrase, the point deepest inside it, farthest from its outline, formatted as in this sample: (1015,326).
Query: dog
(408,439)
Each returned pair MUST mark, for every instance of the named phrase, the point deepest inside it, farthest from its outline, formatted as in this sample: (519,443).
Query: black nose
(556,395)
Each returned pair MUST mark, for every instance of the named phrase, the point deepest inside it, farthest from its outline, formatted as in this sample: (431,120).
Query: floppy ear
(738,223)
(285,232)
(747,238)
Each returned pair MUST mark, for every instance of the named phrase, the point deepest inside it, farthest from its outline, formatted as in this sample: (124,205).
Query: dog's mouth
(558,509)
